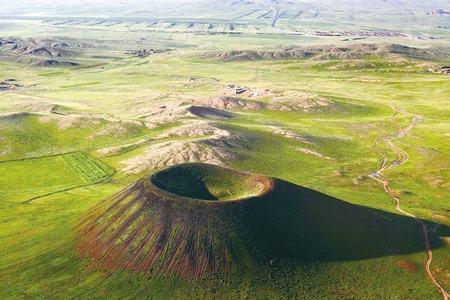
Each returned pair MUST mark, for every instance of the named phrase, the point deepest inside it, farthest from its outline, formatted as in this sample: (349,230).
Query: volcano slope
(196,220)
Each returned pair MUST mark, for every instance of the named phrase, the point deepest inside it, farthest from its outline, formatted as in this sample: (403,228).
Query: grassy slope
(363,113)
(26,179)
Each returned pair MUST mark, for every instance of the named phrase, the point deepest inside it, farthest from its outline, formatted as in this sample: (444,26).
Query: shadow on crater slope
(145,228)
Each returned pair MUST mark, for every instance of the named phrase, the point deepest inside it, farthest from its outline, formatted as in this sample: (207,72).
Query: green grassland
(52,175)
(31,178)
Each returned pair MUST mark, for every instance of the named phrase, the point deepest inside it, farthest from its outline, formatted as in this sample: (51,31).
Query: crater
(210,182)
(194,221)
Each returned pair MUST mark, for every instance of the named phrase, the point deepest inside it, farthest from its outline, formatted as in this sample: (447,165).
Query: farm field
(41,176)
(235,151)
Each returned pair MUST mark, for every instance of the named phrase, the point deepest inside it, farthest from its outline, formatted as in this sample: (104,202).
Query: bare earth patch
(408,266)
(5,151)
(173,153)
(215,145)
(289,134)
(120,148)
(243,91)
(313,153)
(166,113)
(70,121)
(296,101)
(441,218)
(227,102)
(118,129)
(196,129)
(38,107)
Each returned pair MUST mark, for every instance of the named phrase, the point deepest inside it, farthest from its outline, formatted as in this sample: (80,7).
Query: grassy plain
(62,166)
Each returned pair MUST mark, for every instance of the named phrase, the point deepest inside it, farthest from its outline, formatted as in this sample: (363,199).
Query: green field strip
(89,169)
(35,157)
(38,177)
(64,190)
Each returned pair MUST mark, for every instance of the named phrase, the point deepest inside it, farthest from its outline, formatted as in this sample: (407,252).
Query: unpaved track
(276,15)
(402,157)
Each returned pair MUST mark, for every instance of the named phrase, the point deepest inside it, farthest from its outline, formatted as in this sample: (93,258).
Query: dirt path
(276,15)
(402,157)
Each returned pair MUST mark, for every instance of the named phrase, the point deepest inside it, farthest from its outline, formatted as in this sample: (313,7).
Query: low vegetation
(279,150)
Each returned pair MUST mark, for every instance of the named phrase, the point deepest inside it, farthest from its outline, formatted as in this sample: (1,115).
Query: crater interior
(210,182)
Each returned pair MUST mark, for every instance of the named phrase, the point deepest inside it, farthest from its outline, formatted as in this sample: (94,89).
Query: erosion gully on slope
(402,158)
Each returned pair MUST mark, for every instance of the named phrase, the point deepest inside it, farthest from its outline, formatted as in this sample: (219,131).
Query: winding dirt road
(401,158)
(276,15)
